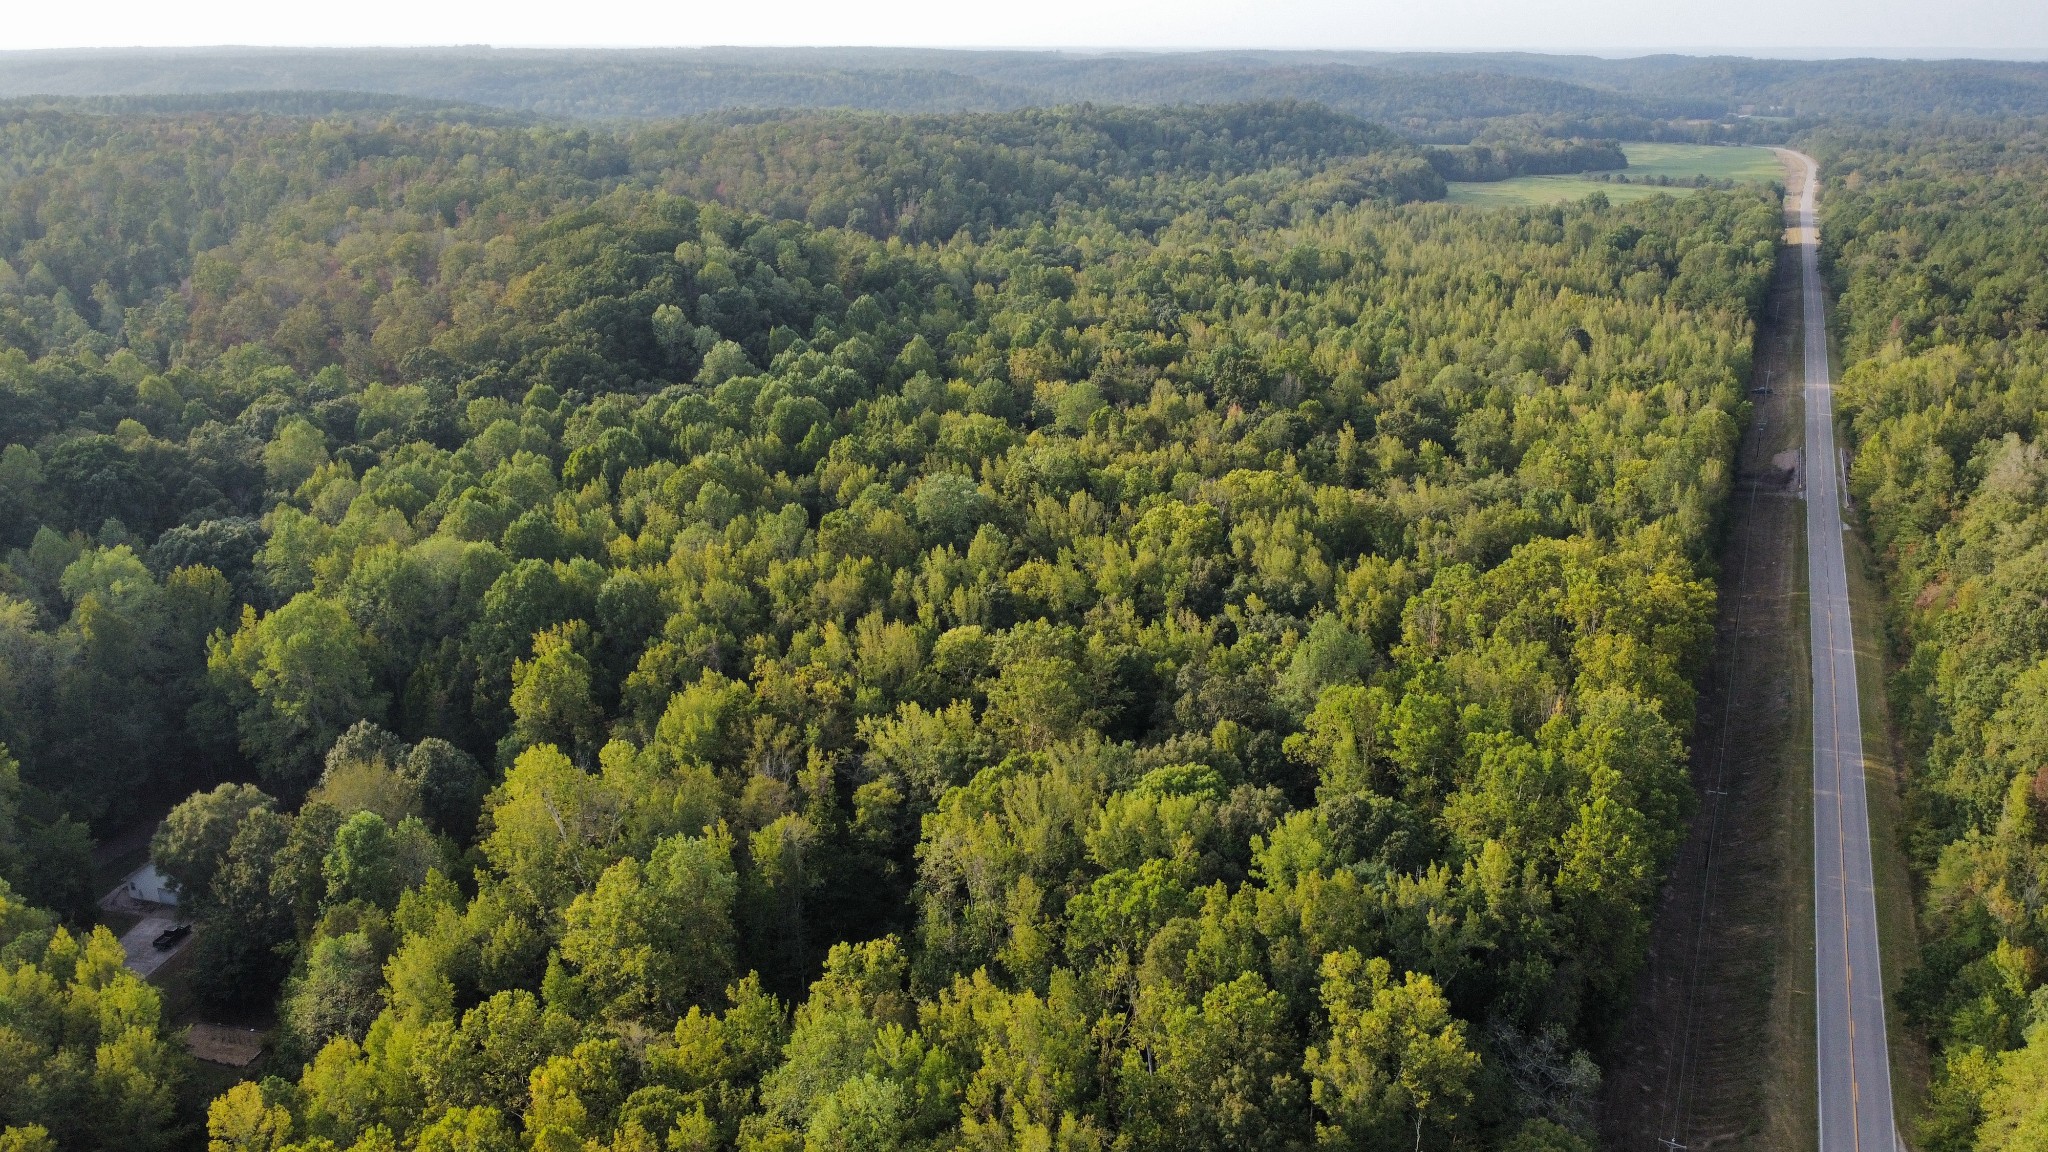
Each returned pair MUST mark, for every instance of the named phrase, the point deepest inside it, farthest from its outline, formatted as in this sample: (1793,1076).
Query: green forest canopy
(1193,648)
(1938,245)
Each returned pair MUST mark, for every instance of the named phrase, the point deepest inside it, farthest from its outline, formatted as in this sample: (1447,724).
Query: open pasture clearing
(1646,162)
(1744,165)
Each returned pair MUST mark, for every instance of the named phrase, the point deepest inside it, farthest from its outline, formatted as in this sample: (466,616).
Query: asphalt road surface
(1855,1067)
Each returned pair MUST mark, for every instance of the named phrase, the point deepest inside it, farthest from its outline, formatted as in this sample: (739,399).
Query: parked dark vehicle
(171,937)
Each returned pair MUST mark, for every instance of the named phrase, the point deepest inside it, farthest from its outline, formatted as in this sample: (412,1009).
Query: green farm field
(1646,162)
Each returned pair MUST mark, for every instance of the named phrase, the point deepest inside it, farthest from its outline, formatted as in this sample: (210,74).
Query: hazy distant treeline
(1438,98)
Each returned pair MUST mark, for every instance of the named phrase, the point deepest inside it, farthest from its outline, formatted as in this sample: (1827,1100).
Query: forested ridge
(1441,97)
(1189,648)
(1938,242)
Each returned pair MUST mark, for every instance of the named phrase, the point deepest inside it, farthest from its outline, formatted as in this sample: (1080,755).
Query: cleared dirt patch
(221,1044)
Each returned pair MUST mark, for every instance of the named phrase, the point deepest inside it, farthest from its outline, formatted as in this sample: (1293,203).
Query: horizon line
(1944,53)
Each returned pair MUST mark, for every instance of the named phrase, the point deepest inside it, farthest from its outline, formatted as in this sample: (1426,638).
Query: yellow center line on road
(1838,766)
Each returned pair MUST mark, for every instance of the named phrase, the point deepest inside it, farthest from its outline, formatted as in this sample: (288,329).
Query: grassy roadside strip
(1884,773)
(1791,1095)
(1716,1049)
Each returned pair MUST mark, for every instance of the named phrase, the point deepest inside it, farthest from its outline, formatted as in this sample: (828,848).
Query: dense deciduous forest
(1938,241)
(1081,629)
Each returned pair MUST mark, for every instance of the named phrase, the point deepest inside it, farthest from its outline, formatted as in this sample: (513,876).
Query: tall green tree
(303,671)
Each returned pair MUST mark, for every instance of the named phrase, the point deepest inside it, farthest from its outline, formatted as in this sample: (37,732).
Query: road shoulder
(1884,775)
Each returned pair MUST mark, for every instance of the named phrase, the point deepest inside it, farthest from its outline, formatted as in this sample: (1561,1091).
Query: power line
(1680,1081)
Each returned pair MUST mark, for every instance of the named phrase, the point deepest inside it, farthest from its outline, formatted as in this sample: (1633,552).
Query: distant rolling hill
(1438,96)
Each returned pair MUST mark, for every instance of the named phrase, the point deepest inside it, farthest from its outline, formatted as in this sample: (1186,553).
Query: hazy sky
(1891,27)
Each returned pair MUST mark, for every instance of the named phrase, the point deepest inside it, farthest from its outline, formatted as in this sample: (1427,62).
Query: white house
(148,884)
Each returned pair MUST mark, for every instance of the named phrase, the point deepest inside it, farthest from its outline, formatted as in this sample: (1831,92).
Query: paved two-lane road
(1855,1067)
